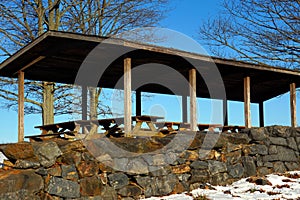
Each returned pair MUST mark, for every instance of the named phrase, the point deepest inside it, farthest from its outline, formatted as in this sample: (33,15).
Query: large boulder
(236,171)
(87,168)
(249,166)
(238,138)
(215,167)
(118,180)
(279,131)
(278,141)
(14,183)
(63,188)
(157,186)
(90,186)
(26,164)
(258,149)
(47,153)
(130,191)
(18,151)
(284,154)
(258,134)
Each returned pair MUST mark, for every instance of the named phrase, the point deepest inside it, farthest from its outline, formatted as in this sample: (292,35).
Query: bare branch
(256,31)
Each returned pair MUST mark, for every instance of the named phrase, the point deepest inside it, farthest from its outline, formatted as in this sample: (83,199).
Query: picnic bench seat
(44,137)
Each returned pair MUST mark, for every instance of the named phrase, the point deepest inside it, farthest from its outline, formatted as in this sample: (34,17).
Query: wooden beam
(138,102)
(184,108)
(20,106)
(127,97)
(193,100)
(84,102)
(225,112)
(32,63)
(261,114)
(293,104)
(247,102)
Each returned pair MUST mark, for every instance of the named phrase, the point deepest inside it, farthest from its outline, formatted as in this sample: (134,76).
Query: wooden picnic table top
(168,123)
(71,124)
(146,118)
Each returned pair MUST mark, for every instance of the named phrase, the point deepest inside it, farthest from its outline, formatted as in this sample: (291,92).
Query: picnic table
(111,127)
(75,126)
(211,127)
(176,126)
(71,129)
(150,121)
(82,128)
(169,126)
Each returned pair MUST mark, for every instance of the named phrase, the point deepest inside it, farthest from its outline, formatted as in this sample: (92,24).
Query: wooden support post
(127,97)
(293,104)
(84,102)
(261,114)
(138,102)
(48,103)
(20,106)
(247,102)
(225,112)
(184,108)
(193,100)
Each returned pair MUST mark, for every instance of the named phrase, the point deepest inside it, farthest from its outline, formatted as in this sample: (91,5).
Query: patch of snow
(2,157)
(282,187)
(172,197)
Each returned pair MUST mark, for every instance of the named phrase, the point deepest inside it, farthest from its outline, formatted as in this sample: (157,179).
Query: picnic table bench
(67,134)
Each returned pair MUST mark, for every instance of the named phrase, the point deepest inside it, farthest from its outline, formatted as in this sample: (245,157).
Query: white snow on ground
(2,157)
(281,187)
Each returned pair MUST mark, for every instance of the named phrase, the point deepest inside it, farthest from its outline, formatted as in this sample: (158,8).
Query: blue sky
(185,18)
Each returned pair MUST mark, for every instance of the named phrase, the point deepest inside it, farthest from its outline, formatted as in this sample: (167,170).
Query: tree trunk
(93,108)
(93,103)
(48,103)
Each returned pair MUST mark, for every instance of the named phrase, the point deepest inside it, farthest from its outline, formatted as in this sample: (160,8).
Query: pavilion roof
(57,57)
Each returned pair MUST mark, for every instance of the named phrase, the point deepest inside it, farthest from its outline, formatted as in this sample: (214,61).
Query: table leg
(170,128)
(93,129)
(151,126)
(137,127)
(44,131)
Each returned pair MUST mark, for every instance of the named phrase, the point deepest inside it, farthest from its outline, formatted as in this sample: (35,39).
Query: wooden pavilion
(57,57)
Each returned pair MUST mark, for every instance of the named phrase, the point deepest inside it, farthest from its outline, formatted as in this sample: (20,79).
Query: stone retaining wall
(60,169)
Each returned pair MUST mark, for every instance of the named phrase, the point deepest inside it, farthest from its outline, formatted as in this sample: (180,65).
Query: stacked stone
(60,169)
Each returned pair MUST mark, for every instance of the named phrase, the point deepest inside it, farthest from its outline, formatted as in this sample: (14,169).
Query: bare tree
(21,22)
(111,18)
(264,32)
(24,20)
